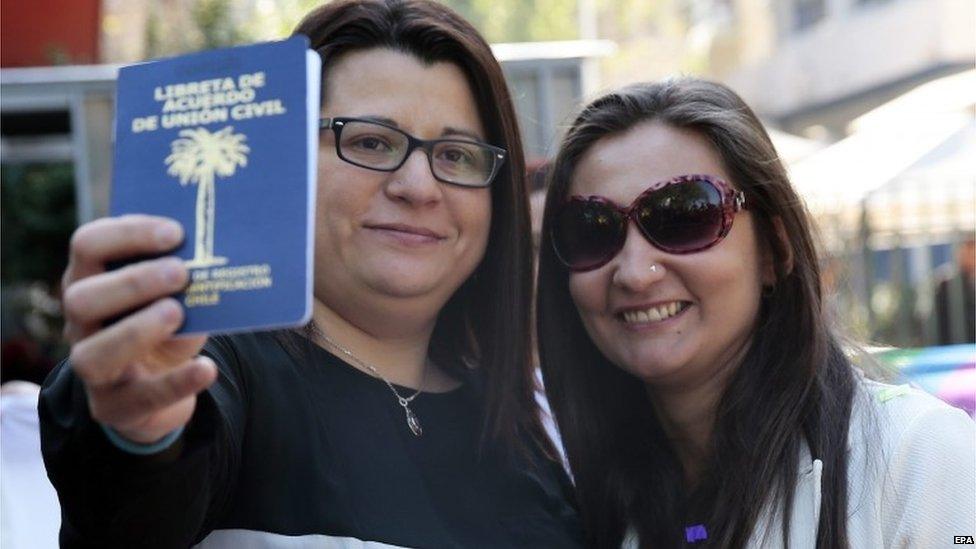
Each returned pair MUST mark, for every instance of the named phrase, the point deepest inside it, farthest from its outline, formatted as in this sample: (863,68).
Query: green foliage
(214,19)
(202,24)
(498,20)
(520,20)
(153,37)
(219,23)
(275,19)
(37,215)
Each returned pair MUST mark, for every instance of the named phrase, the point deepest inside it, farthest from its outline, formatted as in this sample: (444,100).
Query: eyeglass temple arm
(739,200)
(325,123)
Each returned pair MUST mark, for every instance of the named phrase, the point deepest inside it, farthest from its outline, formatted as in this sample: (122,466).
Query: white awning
(843,174)
(890,140)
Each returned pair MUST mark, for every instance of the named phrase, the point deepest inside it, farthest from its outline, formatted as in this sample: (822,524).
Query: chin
(648,372)
(408,283)
(398,287)
(651,366)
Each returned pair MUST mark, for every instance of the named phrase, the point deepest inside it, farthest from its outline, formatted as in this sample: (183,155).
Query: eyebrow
(458,131)
(446,132)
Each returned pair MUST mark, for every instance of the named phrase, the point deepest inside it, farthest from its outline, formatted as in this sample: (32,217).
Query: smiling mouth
(656,313)
(408,231)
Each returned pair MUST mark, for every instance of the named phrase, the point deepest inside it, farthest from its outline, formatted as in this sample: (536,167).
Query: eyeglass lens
(678,218)
(377,146)
(588,233)
(686,216)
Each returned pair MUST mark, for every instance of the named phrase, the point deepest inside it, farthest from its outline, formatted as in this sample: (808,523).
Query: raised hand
(141,381)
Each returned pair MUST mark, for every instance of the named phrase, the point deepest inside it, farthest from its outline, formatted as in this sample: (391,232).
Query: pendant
(413,422)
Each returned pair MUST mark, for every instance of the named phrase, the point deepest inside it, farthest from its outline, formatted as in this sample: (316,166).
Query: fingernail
(169,311)
(168,234)
(201,370)
(206,366)
(173,271)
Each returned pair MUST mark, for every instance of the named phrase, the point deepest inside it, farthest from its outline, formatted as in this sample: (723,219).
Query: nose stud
(654,267)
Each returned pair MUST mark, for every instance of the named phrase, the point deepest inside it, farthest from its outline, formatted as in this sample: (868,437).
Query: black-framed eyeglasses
(378,146)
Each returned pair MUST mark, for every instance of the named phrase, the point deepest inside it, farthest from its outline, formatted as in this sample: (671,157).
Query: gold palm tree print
(199,157)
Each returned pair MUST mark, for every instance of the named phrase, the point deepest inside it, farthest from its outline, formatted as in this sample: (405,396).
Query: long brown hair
(794,384)
(486,322)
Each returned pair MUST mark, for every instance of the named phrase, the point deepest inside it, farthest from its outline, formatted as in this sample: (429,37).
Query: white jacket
(911,477)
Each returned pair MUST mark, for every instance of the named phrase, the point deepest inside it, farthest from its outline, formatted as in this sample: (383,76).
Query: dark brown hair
(486,322)
(794,385)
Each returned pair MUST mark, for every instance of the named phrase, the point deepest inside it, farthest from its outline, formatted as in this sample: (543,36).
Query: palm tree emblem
(199,156)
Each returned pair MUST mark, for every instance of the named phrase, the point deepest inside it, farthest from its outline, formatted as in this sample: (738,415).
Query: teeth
(653,314)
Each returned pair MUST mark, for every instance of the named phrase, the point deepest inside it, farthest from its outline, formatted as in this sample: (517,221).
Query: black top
(313,447)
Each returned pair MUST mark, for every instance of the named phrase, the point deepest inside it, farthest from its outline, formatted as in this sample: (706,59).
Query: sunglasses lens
(587,234)
(682,218)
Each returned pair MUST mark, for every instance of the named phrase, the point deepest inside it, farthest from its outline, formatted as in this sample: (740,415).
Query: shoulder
(902,416)
(251,360)
(233,344)
(912,460)
(239,350)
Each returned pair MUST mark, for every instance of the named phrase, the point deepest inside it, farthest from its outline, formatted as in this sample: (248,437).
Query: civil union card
(225,142)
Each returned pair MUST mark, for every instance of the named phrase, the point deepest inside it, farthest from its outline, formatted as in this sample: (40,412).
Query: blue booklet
(225,142)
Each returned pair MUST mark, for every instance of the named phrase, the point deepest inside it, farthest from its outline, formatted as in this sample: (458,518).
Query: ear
(781,243)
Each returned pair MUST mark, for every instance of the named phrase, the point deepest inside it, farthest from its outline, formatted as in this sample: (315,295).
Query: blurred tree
(653,40)
(154,36)
(202,24)
(520,20)
(37,215)
(498,20)
(275,19)
(217,25)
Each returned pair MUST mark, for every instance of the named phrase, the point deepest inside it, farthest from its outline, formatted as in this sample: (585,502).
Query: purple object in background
(948,372)
(695,533)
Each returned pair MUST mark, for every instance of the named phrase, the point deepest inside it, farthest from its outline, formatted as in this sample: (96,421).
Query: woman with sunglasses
(404,415)
(701,395)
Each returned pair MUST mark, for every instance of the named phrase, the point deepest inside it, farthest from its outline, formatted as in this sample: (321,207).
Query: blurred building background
(870,102)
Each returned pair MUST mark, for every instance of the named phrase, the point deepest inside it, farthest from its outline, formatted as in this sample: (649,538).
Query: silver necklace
(412,422)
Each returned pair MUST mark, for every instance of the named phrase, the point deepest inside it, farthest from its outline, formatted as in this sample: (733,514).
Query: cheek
(482,219)
(331,206)
(328,164)
(729,278)
(344,190)
(326,190)
(733,282)
(735,295)
(472,214)
(588,291)
(577,290)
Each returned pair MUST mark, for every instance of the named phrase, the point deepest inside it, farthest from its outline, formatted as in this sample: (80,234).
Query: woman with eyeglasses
(404,415)
(702,397)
